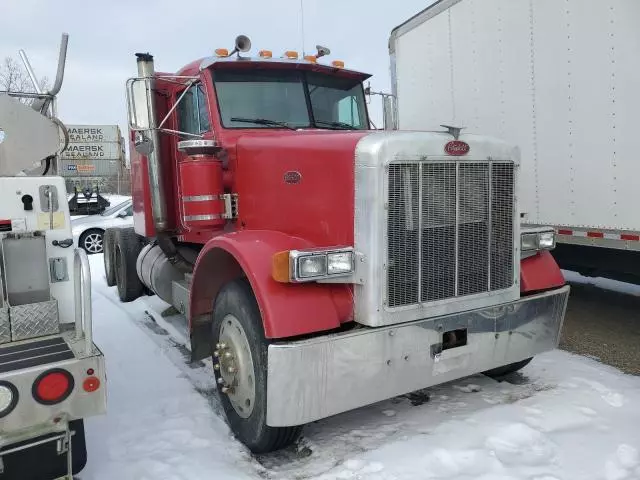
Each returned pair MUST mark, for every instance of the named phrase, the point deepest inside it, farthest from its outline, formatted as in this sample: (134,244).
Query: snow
(564,417)
(603,283)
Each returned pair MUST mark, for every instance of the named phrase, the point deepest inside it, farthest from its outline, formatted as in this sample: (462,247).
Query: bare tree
(14,78)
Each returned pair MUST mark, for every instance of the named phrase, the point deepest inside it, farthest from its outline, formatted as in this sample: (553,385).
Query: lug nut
(216,366)
(231,369)
(223,346)
(227,390)
(228,355)
(216,353)
(221,381)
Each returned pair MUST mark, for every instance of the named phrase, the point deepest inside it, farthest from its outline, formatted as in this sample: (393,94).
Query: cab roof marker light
(291,54)
(265,53)
(221,52)
(337,64)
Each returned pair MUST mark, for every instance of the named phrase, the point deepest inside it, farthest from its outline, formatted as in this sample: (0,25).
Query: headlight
(341,262)
(307,266)
(312,266)
(532,241)
(547,240)
(529,241)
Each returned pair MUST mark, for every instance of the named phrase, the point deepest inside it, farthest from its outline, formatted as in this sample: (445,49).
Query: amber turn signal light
(280,267)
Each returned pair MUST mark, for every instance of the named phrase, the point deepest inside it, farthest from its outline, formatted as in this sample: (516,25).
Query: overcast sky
(105,35)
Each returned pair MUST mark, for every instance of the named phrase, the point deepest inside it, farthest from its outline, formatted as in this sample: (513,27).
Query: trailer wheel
(109,245)
(127,248)
(507,369)
(240,368)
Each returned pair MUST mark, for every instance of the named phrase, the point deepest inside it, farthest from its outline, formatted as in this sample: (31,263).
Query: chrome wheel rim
(93,243)
(234,363)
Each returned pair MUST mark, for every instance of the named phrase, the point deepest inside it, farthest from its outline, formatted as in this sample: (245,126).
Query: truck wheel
(127,248)
(507,369)
(240,368)
(109,245)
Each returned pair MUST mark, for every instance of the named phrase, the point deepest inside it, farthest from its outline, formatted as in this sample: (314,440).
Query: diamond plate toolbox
(34,320)
(5,327)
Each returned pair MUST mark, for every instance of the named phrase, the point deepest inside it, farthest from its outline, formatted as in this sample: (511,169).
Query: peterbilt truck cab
(321,264)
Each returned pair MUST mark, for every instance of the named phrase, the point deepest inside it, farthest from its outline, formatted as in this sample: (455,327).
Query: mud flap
(43,462)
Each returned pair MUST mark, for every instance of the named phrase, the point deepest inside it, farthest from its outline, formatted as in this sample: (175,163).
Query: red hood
(300,183)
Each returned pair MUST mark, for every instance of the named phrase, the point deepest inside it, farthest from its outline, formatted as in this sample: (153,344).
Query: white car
(88,231)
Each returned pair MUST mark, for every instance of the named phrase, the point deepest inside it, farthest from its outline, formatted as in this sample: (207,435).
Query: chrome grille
(450,230)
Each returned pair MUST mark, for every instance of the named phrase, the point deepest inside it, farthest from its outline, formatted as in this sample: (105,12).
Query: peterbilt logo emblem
(292,177)
(457,148)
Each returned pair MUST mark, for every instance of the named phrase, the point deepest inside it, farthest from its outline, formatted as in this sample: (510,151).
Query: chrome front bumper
(316,378)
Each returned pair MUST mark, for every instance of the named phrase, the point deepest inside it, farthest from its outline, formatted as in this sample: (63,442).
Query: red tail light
(52,386)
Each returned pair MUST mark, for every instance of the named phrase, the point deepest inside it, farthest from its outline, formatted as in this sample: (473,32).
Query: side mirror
(139,98)
(122,214)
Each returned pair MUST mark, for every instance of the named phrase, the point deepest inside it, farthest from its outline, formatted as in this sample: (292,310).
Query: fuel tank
(157,273)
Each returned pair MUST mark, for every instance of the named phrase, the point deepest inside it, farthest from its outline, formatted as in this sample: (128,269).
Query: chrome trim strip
(198,218)
(338,372)
(199,198)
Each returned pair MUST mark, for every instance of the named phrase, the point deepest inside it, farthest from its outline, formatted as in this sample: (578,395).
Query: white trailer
(559,79)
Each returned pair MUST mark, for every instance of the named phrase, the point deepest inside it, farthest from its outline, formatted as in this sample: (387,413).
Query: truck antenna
(302,25)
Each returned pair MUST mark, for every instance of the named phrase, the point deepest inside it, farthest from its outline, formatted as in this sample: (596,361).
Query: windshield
(112,210)
(289,98)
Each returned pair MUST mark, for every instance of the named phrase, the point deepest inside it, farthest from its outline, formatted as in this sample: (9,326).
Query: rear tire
(109,246)
(507,369)
(127,247)
(236,310)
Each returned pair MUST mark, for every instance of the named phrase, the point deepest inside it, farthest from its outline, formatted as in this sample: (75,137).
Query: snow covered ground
(564,418)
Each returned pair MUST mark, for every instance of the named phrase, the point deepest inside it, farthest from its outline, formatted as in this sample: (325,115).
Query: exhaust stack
(156,180)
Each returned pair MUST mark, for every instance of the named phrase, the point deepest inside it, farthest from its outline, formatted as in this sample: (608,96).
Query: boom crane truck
(52,375)
(322,265)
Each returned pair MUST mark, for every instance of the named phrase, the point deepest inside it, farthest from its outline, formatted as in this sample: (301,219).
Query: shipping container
(558,79)
(94,133)
(93,150)
(93,167)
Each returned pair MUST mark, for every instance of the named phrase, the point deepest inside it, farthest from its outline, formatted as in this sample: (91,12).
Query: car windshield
(277,98)
(112,210)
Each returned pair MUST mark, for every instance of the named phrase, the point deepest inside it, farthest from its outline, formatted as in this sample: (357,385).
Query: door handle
(66,243)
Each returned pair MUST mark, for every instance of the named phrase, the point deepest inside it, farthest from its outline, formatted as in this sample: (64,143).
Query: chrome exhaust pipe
(156,180)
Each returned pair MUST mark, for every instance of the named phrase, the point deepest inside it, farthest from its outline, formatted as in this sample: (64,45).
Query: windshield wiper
(336,125)
(262,121)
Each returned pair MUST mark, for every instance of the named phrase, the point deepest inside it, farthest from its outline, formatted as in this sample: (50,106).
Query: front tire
(92,241)
(240,368)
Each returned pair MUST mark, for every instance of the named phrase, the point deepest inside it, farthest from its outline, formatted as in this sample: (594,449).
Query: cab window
(193,115)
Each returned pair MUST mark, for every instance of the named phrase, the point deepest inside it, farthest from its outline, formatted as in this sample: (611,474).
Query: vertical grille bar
(420,229)
(456,254)
(403,251)
(490,224)
(438,218)
(473,226)
(450,230)
(502,206)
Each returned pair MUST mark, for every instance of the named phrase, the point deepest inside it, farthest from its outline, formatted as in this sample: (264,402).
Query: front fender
(539,273)
(287,310)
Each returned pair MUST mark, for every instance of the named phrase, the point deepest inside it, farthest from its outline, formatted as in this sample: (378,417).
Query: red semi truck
(322,265)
